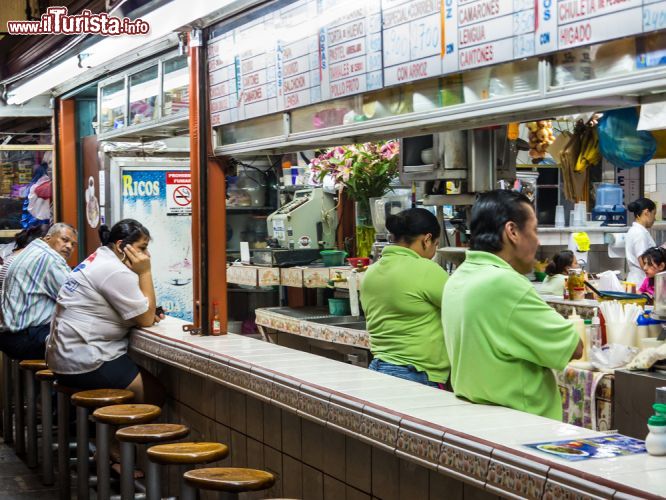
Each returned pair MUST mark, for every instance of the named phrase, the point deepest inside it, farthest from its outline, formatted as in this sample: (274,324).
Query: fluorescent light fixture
(162,21)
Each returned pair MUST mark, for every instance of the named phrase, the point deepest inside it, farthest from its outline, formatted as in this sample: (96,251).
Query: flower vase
(365,231)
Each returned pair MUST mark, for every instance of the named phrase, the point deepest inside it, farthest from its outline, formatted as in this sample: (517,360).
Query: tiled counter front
(331,430)
(270,318)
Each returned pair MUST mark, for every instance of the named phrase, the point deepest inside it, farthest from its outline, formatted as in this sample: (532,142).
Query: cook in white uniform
(639,238)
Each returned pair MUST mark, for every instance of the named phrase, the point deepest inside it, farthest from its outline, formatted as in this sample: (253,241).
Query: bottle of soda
(215,324)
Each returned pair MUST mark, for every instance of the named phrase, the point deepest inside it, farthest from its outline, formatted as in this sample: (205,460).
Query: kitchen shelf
(250,209)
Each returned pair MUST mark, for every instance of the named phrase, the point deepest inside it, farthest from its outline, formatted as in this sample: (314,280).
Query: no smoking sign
(179,193)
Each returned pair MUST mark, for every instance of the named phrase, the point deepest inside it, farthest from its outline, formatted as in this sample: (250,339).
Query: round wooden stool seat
(230,479)
(152,433)
(34,365)
(130,414)
(97,398)
(187,453)
(47,375)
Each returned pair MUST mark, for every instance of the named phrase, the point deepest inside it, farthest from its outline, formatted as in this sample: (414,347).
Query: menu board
(565,24)
(298,76)
(297,53)
(350,48)
(222,80)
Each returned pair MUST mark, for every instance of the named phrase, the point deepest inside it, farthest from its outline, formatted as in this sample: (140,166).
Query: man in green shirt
(502,338)
(401,296)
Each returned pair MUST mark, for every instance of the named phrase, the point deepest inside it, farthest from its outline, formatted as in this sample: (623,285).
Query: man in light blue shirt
(30,290)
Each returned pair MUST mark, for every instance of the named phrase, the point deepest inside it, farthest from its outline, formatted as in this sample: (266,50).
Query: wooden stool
(228,479)
(7,420)
(19,422)
(121,415)
(29,367)
(64,395)
(178,454)
(46,379)
(142,434)
(84,401)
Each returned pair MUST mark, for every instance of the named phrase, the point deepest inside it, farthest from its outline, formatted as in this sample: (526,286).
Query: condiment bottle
(216,324)
(595,330)
(579,326)
(588,340)
(655,442)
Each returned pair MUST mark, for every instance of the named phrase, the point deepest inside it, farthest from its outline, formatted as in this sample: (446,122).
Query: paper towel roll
(616,246)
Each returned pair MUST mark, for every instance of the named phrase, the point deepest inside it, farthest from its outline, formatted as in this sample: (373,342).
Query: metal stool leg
(29,382)
(7,399)
(153,491)
(19,425)
(82,454)
(64,480)
(187,492)
(47,433)
(103,473)
(127,471)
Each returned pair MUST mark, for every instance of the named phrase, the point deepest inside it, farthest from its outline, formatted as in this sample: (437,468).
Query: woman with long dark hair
(103,298)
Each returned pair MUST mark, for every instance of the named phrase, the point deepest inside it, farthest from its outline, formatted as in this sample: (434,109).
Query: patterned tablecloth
(587,398)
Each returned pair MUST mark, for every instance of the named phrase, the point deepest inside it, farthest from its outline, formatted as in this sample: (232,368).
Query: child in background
(557,270)
(653,261)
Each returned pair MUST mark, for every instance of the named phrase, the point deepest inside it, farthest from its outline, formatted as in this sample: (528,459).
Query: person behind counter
(557,270)
(502,338)
(638,237)
(654,262)
(401,295)
(106,295)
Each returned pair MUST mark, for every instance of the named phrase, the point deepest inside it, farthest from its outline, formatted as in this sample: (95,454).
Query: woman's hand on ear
(139,262)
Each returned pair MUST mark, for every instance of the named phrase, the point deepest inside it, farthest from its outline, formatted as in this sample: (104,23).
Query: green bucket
(333,258)
(339,307)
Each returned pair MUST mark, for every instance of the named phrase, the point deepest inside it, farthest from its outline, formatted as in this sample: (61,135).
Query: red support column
(66,196)
(209,254)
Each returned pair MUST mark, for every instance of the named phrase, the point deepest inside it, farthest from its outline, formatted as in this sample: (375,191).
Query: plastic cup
(559,216)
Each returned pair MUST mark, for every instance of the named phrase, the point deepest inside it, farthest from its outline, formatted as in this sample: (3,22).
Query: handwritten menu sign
(222,80)
(564,24)
(298,77)
(412,34)
(294,53)
(350,48)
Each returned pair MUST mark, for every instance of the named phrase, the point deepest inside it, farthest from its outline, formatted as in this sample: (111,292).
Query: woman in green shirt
(401,295)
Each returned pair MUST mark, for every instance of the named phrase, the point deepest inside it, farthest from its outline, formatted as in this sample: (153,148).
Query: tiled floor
(18,482)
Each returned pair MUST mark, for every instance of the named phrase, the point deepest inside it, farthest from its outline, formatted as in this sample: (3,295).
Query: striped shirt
(30,290)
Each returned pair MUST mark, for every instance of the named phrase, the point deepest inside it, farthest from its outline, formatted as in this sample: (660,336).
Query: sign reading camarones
(295,53)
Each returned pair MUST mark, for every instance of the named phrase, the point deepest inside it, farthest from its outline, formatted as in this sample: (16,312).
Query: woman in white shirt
(102,299)
(638,237)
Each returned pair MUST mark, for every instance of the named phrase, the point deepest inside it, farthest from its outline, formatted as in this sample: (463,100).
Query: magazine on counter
(575,450)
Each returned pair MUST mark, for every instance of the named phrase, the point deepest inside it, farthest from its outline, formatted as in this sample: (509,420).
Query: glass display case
(175,93)
(113,106)
(150,93)
(17,168)
(144,87)
(609,60)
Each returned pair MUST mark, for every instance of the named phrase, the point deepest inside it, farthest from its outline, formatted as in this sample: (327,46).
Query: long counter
(390,427)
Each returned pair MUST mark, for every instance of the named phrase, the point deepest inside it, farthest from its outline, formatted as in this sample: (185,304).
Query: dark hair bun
(413,222)
(551,268)
(104,234)
(633,207)
(396,224)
